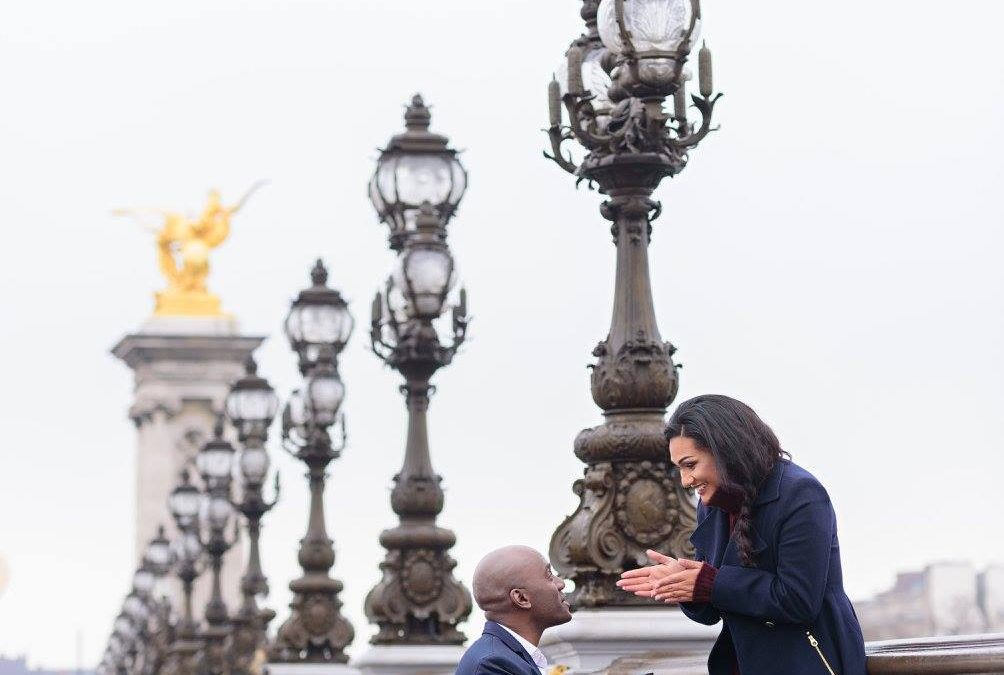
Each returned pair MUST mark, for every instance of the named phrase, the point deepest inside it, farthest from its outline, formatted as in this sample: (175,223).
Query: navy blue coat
(496,652)
(796,587)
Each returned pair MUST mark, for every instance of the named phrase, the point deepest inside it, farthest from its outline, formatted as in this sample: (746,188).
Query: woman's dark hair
(744,447)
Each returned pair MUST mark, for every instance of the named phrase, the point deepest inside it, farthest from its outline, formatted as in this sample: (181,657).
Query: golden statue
(183,246)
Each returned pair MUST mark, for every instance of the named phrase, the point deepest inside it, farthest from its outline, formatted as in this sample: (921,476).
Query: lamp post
(619,76)
(251,407)
(215,461)
(157,560)
(126,637)
(141,609)
(184,503)
(418,601)
(318,327)
(142,628)
(417,167)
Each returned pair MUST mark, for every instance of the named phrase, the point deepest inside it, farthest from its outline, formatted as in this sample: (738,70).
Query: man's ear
(519,598)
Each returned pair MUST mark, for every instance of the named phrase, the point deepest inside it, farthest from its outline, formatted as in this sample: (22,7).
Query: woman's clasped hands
(670,580)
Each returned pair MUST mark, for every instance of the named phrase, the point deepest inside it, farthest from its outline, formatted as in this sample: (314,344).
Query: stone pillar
(183,367)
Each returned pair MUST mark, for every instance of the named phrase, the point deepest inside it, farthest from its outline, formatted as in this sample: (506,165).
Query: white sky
(831,256)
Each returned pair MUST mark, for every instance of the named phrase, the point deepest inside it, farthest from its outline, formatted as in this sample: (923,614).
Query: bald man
(521,598)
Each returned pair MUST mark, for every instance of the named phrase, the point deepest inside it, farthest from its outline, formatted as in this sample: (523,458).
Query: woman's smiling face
(697,466)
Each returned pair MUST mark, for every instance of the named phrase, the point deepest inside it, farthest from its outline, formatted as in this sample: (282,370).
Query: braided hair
(743,446)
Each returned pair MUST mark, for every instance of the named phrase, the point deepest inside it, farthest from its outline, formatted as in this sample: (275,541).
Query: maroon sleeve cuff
(705,582)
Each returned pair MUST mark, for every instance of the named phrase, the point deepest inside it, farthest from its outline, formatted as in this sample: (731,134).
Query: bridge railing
(954,655)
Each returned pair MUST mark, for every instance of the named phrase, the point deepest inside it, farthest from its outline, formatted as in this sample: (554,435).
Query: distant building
(19,666)
(944,599)
(991,597)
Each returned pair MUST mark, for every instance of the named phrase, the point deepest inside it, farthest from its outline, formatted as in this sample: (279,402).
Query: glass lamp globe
(188,547)
(425,276)
(218,512)
(318,317)
(658,31)
(252,403)
(124,628)
(654,25)
(136,609)
(417,167)
(325,393)
(215,460)
(143,581)
(595,80)
(184,501)
(158,557)
(254,464)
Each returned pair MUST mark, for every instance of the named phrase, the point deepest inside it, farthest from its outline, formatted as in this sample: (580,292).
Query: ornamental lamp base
(596,638)
(410,660)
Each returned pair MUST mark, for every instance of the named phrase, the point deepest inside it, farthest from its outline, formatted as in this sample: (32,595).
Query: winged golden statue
(183,246)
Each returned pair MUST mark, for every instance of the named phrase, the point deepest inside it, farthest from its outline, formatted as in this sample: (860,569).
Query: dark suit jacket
(796,587)
(496,652)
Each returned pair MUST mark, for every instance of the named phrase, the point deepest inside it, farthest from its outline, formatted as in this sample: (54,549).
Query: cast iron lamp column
(158,560)
(318,327)
(184,504)
(127,637)
(141,608)
(418,600)
(215,462)
(616,80)
(251,407)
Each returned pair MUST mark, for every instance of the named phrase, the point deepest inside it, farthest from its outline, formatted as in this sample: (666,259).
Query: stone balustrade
(952,655)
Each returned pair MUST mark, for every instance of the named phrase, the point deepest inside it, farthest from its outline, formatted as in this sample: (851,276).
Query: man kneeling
(521,597)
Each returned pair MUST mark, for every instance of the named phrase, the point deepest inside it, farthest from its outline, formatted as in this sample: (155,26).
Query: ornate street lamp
(610,97)
(417,167)
(158,557)
(127,637)
(318,317)
(316,631)
(215,462)
(613,86)
(157,562)
(184,503)
(418,600)
(630,498)
(251,407)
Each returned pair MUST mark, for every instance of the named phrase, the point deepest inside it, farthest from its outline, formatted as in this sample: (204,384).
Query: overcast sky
(831,256)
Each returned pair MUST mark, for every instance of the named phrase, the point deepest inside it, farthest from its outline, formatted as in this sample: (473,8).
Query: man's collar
(529,651)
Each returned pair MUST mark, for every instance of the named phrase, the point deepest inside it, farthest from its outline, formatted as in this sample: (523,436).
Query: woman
(768,561)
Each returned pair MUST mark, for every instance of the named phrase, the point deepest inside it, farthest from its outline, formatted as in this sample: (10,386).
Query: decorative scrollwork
(624,509)
(640,375)
(316,632)
(633,127)
(418,600)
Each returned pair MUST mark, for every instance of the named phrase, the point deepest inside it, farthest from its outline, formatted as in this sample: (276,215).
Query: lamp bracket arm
(383,350)
(558,135)
(706,106)
(585,127)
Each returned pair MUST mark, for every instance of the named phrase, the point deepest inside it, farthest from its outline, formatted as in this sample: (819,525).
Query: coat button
(769,624)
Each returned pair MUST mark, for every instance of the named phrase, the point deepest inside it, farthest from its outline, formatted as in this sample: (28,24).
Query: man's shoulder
(489,654)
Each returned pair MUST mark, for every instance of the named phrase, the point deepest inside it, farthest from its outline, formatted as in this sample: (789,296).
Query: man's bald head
(515,586)
(500,572)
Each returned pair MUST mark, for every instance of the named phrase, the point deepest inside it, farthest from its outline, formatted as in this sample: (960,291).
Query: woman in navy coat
(768,561)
